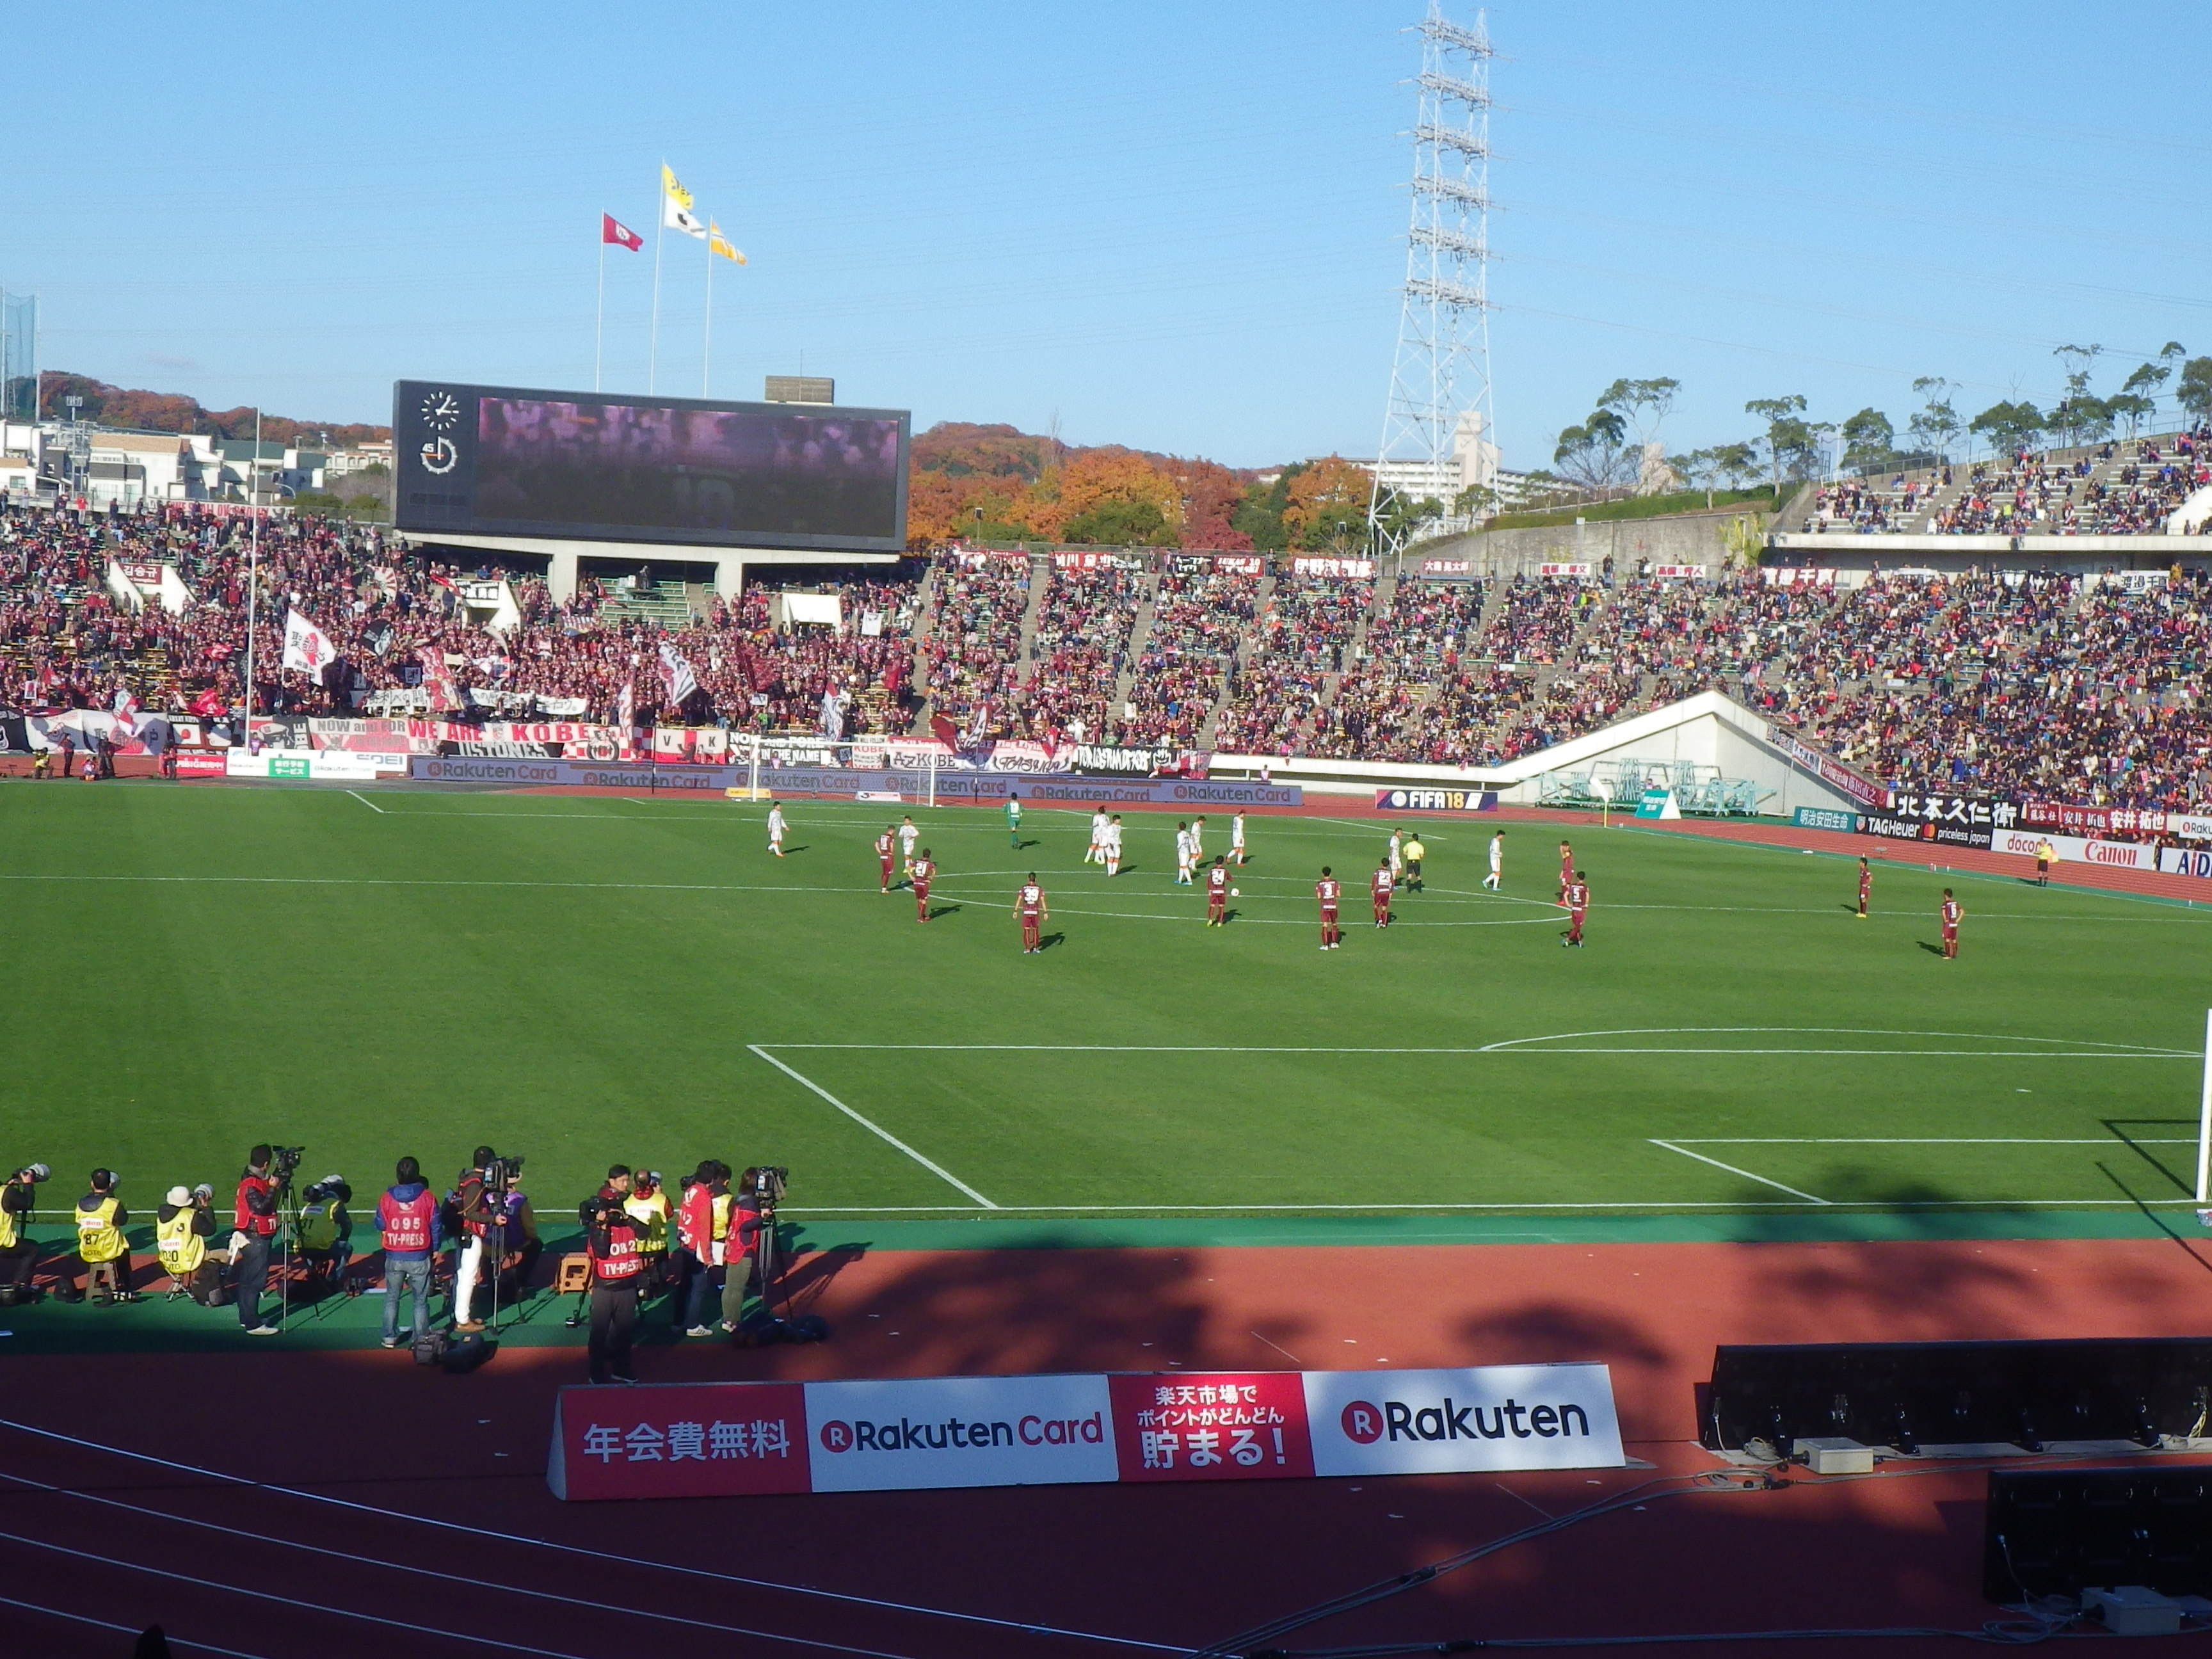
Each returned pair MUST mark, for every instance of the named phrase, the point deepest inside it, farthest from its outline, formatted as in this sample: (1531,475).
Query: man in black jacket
(618,1270)
(19,1251)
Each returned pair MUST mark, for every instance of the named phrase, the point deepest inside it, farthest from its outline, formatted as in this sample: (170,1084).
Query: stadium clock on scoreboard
(505,460)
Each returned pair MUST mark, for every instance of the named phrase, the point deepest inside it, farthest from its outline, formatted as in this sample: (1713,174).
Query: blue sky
(1171,226)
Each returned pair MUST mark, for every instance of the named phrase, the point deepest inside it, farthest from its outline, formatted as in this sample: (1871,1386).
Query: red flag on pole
(612,229)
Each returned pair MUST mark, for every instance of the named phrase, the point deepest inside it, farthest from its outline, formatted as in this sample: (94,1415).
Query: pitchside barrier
(1048,789)
(737,1439)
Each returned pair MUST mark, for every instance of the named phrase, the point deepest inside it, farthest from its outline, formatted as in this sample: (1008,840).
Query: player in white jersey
(1095,854)
(1197,839)
(1184,856)
(1236,836)
(907,835)
(1113,845)
(775,828)
(1494,881)
(1397,858)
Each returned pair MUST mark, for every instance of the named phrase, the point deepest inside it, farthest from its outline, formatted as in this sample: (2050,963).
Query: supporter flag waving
(438,680)
(209,705)
(718,243)
(675,675)
(307,647)
(675,205)
(126,715)
(614,233)
(626,710)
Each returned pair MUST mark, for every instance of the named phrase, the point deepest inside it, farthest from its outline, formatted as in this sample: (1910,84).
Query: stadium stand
(2079,683)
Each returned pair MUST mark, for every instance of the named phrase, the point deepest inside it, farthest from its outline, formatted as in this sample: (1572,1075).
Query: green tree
(2011,426)
(1643,403)
(1935,424)
(1260,514)
(1737,464)
(2195,392)
(2131,406)
(1785,429)
(1596,454)
(2146,381)
(1118,524)
(1868,441)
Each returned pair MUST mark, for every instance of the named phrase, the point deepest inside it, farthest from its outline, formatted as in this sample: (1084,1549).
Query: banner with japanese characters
(736,1439)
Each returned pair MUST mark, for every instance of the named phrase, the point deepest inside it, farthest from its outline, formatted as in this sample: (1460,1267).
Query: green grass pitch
(191,970)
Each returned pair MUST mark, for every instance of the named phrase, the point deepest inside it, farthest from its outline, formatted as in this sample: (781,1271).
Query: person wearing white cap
(182,1227)
(19,1251)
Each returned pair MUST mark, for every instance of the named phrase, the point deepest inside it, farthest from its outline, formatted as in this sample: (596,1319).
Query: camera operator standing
(255,1218)
(610,1237)
(19,1252)
(474,1211)
(741,1251)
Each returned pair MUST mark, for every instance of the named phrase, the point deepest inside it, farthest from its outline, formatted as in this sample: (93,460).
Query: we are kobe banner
(734,1439)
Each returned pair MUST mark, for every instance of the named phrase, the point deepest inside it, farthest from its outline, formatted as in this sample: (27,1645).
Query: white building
(1473,460)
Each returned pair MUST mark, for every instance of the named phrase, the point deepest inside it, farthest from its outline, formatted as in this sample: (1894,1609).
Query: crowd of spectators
(2089,688)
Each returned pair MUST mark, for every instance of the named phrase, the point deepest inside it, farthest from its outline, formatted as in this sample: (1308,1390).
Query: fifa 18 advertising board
(735,1439)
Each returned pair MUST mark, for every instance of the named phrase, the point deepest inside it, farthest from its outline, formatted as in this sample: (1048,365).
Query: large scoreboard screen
(493,460)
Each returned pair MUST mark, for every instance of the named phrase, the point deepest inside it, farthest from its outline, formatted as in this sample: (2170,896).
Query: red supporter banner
(1575,569)
(1667,573)
(1347,569)
(734,1439)
(2111,820)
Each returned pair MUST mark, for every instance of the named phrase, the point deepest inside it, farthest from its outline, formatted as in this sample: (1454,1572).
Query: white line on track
(1777,1186)
(876,1130)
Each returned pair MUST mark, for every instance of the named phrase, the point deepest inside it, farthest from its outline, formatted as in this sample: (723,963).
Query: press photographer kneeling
(182,1227)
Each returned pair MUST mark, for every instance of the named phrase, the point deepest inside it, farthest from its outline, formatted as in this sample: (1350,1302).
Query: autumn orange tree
(1328,492)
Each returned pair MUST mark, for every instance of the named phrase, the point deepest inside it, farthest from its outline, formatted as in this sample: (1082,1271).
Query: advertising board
(2077,849)
(1436,800)
(1825,817)
(1824,767)
(339,764)
(507,460)
(2186,861)
(740,1438)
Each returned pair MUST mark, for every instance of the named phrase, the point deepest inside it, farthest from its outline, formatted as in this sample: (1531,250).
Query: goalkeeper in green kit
(1014,820)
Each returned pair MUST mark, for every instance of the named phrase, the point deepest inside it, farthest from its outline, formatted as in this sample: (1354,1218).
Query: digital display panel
(486,460)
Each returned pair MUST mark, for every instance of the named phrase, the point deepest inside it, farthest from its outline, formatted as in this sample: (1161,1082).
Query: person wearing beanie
(101,1242)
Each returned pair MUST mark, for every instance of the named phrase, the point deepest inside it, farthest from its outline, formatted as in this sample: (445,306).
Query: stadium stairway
(925,621)
(665,604)
(1141,635)
(1041,578)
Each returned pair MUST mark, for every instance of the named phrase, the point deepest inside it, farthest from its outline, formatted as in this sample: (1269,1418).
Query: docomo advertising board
(2073,849)
(734,1439)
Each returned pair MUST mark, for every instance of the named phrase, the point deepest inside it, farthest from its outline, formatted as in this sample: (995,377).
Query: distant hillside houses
(124,470)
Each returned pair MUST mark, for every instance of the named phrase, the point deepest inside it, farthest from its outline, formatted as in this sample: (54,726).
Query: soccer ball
(1233,893)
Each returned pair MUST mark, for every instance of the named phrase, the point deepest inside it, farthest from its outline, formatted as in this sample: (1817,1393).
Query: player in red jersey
(1328,891)
(918,875)
(1866,884)
(1217,893)
(1577,899)
(1566,870)
(1384,884)
(1029,904)
(1952,910)
(886,845)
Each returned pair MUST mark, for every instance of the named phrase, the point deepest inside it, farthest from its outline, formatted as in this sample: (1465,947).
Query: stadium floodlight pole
(2205,1121)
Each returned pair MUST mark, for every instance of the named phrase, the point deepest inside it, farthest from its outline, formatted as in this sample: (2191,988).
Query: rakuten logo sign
(960,1432)
(1495,1417)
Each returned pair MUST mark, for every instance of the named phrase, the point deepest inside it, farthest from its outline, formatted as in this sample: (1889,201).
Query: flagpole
(660,230)
(252,574)
(706,351)
(599,328)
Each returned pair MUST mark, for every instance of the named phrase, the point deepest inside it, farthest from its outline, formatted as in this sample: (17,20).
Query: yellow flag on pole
(676,204)
(718,243)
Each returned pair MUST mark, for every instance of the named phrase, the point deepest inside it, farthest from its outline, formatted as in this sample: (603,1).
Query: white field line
(1923,1141)
(1777,1186)
(367,802)
(1009,1211)
(876,1130)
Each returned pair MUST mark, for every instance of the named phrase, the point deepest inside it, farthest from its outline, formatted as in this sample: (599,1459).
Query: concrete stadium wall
(1685,538)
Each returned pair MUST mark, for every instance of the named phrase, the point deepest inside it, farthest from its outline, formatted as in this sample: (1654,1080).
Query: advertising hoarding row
(737,1439)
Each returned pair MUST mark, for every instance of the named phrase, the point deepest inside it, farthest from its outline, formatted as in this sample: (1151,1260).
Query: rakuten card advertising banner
(960,1432)
(1491,1417)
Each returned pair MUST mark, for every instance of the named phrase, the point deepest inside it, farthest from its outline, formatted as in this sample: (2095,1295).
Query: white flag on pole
(307,647)
(675,205)
(675,675)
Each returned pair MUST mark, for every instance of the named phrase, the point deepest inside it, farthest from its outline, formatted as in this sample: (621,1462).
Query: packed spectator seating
(1200,614)
(2083,687)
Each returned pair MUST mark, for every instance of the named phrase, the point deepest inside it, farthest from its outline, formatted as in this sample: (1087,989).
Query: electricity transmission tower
(1440,404)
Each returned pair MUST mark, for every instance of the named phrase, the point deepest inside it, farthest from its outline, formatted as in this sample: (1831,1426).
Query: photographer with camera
(326,1231)
(471,1209)
(268,1173)
(610,1237)
(182,1227)
(741,1250)
(648,1206)
(101,1243)
(19,1251)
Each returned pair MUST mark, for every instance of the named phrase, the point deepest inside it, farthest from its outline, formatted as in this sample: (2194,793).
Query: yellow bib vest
(98,1238)
(651,1215)
(181,1248)
(7,1230)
